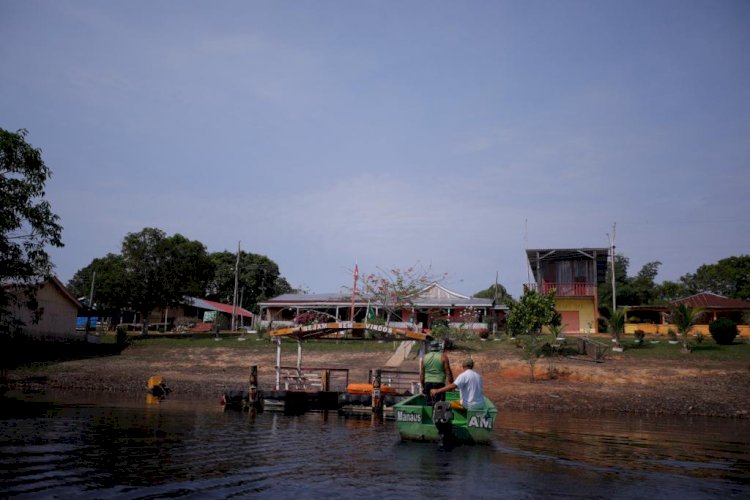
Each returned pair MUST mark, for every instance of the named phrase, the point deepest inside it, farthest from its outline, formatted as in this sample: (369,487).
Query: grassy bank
(505,347)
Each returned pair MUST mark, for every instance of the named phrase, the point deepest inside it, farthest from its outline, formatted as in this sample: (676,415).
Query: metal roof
(445,298)
(217,306)
(703,300)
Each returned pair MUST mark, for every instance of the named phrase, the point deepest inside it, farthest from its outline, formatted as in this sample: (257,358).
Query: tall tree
(259,279)
(669,291)
(621,279)
(161,271)
(495,292)
(109,285)
(27,225)
(729,277)
(631,291)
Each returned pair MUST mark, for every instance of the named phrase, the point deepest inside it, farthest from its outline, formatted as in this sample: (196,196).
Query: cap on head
(468,363)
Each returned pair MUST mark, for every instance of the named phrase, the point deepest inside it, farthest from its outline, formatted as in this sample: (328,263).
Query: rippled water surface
(64,446)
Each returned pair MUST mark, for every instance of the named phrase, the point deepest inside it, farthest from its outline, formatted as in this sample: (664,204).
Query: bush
(723,331)
(121,337)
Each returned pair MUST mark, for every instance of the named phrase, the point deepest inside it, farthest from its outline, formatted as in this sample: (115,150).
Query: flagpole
(354,292)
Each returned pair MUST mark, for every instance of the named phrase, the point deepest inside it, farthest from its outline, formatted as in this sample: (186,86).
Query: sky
(446,135)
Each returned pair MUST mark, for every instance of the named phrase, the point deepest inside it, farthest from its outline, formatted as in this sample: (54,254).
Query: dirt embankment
(685,386)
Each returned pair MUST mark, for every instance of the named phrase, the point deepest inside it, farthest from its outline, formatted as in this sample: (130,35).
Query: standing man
(469,384)
(434,371)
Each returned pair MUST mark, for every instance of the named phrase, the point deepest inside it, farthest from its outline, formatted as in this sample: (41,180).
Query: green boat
(418,421)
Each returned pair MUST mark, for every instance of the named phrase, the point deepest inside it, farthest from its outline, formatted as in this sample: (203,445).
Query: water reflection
(699,447)
(180,448)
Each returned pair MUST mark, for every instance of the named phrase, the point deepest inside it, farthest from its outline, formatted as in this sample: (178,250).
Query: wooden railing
(566,289)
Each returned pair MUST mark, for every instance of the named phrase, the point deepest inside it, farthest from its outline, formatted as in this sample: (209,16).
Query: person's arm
(443,389)
(421,372)
(448,371)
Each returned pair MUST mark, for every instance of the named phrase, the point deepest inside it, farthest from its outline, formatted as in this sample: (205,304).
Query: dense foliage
(723,331)
(495,292)
(258,279)
(161,270)
(156,270)
(27,224)
(729,277)
(106,275)
(531,312)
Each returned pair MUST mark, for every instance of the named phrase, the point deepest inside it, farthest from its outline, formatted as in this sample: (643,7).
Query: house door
(570,321)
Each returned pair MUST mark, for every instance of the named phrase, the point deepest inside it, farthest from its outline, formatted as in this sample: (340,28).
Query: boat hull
(414,421)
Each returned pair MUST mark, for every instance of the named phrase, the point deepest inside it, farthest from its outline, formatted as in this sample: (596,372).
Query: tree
(258,276)
(526,317)
(161,271)
(394,289)
(109,286)
(496,291)
(729,277)
(616,323)
(531,312)
(621,278)
(27,225)
(669,291)
(685,317)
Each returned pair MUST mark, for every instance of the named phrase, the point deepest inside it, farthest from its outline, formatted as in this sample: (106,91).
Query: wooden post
(252,389)
(325,380)
(278,362)
(299,360)
(377,400)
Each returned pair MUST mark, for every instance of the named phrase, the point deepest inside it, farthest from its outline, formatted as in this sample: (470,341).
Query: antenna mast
(612,251)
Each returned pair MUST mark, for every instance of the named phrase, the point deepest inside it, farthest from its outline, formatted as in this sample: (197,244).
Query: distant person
(469,384)
(434,371)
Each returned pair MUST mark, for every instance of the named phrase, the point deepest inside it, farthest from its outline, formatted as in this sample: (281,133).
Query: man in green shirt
(434,372)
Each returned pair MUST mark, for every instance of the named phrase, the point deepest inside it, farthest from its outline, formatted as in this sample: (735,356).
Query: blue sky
(449,134)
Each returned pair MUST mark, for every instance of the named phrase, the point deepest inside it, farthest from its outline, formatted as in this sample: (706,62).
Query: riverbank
(621,384)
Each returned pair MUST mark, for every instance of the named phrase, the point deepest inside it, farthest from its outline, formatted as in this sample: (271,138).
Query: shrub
(723,331)
(639,335)
(121,337)
(440,322)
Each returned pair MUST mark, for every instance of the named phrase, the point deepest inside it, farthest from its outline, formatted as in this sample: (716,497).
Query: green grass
(708,349)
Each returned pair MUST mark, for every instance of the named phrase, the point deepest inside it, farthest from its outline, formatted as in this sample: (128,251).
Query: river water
(68,446)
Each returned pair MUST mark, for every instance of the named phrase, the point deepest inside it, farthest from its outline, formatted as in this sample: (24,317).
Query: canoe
(414,419)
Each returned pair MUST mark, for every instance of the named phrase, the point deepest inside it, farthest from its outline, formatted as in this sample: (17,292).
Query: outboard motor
(442,417)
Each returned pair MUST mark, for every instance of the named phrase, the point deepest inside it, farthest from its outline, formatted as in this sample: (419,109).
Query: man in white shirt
(469,384)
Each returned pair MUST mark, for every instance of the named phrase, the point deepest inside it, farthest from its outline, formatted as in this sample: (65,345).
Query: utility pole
(236,283)
(612,252)
(91,304)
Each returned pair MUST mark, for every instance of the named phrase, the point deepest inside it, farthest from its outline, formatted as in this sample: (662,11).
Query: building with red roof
(654,318)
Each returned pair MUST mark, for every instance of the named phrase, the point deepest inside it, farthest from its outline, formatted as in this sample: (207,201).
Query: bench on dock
(293,380)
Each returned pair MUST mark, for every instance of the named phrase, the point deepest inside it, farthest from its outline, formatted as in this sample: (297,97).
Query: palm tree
(616,324)
(685,317)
